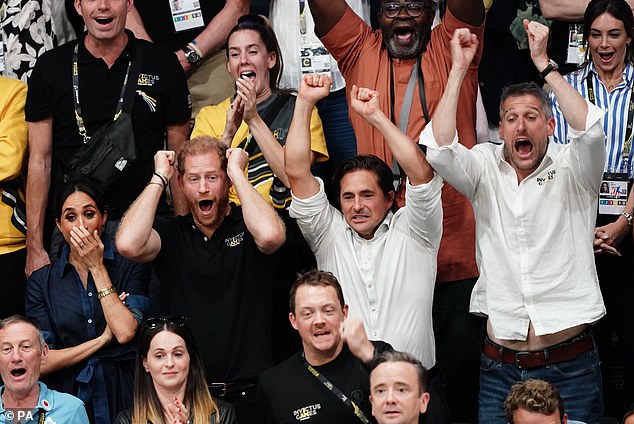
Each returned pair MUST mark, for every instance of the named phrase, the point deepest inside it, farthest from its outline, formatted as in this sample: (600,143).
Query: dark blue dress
(69,315)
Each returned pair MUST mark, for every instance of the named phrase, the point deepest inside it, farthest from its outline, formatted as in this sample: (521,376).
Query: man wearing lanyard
(329,381)
(196,32)
(408,63)
(59,105)
(23,398)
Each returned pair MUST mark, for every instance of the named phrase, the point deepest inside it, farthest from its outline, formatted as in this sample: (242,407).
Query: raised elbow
(125,336)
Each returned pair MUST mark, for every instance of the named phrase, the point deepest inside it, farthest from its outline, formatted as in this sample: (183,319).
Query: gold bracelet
(105,292)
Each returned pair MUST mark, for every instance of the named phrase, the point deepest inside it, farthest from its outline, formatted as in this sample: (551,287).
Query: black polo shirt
(157,20)
(162,99)
(223,284)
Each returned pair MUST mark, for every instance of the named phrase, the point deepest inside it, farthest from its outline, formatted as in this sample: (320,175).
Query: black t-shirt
(157,20)
(289,393)
(223,284)
(161,99)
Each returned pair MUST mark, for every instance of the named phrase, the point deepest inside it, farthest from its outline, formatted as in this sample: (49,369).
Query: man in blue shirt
(23,398)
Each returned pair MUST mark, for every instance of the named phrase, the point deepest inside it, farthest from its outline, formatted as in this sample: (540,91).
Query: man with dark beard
(409,63)
(213,263)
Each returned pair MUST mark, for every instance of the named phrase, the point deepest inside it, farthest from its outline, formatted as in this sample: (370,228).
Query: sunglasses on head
(170,321)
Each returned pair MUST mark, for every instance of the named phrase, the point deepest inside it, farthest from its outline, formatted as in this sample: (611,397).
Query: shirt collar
(590,69)
(84,56)
(44,401)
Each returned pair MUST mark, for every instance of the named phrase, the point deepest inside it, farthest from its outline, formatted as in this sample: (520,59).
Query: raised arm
(297,152)
(366,103)
(573,106)
(176,136)
(263,222)
(563,10)
(468,11)
(136,239)
(37,187)
(326,13)
(464,46)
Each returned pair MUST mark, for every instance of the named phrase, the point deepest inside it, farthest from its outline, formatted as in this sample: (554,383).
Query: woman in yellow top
(257,118)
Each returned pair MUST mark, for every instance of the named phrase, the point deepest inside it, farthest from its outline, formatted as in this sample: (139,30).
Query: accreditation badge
(576,49)
(613,193)
(186,14)
(314,58)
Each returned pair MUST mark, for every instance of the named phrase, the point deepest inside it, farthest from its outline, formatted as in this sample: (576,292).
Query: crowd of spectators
(345,210)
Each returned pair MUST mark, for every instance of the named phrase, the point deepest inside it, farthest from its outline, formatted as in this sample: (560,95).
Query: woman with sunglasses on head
(607,80)
(88,305)
(257,118)
(169,385)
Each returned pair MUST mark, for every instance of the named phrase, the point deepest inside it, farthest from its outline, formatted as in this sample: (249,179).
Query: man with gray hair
(23,398)
(398,383)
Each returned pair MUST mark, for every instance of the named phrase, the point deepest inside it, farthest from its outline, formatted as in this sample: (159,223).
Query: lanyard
(335,391)
(42,415)
(406,107)
(302,17)
(627,145)
(80,120)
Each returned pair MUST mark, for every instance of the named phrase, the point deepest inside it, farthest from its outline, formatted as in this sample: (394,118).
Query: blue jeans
(578,382)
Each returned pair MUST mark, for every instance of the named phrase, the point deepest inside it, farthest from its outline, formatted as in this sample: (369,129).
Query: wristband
(628,217)
(105,292)
(162,177)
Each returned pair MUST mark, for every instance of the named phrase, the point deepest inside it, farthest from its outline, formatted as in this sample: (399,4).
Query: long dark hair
(197,400)
(259,24)
(619,9)
(77,187)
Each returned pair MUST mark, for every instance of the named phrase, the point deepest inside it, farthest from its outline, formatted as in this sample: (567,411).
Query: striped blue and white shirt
(615,106)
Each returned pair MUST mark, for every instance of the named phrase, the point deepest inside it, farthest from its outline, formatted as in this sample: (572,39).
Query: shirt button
(373,309)
(205,238)
(89,294)
(89,321)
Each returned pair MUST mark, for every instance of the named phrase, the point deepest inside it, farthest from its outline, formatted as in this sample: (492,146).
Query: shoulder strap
(336,391)
(128,98)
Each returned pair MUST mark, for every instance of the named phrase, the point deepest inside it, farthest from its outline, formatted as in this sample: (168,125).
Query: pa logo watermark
(19,416)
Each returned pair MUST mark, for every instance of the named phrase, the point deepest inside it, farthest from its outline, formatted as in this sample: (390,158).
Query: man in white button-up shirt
(385,261)
(535,206)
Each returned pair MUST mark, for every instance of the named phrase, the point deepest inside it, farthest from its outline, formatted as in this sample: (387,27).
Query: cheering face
(395,394)
(607,42)
(406,26)
(21,357)
(167,361)
(80,210)
(104,19)
(318,315)
(249,59)
(363,203)
(206,188)
(525,128)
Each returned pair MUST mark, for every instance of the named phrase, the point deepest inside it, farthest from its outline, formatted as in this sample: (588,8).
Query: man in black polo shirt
(161,106)
(336,350)
(213,263)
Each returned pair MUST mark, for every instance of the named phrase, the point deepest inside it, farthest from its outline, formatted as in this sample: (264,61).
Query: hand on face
(314,87)
(365,102)
(164,161)
(88,246)
(537,42)
(176,412)
(464,46)
(246,91)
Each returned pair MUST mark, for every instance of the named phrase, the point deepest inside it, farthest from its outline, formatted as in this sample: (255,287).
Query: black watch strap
(552,66)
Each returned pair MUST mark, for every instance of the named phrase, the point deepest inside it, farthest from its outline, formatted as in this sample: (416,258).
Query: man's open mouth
(205,205)
(523,146)
(17,372)
(104,21)
(404,34)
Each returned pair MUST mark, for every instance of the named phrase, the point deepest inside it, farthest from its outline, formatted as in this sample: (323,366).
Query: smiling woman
(170,382)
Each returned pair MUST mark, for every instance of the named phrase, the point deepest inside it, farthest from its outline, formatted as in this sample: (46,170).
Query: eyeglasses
(413,9)
(170,321)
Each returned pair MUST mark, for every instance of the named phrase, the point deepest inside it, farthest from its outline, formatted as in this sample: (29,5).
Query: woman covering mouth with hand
(257,118)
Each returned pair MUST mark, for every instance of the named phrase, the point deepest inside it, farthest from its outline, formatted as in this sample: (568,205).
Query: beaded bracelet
(162,177)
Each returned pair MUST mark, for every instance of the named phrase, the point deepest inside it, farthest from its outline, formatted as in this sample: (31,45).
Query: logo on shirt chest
(147,80)
(549,177)
(235,240)
(306,412)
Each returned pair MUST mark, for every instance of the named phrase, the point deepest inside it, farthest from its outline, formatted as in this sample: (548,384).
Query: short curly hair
(534,396)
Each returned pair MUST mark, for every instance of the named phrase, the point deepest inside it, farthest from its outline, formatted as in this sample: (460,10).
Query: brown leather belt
(561,352)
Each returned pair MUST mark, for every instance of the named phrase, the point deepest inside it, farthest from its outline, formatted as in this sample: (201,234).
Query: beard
(219,209)
(399,50)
